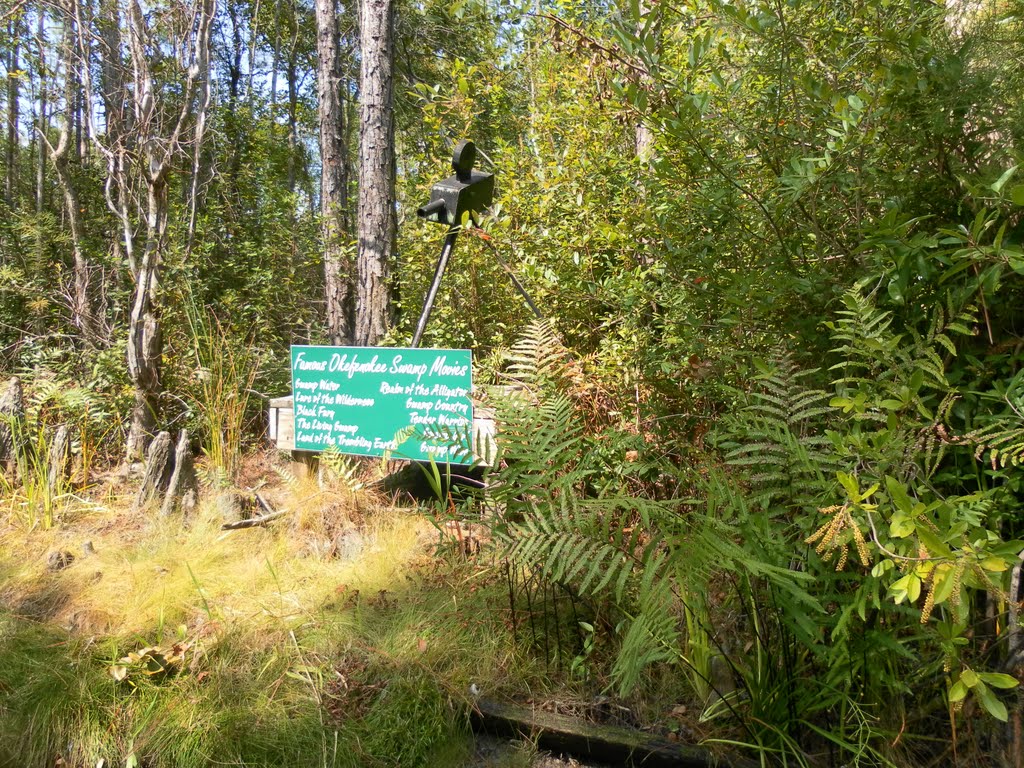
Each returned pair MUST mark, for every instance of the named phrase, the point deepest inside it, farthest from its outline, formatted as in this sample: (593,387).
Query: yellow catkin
(929,602)
(816,535)
(842,560)
(954,598)
(862,547)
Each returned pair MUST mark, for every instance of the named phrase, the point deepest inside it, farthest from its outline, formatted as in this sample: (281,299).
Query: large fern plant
(647,559)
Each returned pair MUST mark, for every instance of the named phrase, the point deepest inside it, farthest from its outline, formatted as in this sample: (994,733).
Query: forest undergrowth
(794,586)
(347,634)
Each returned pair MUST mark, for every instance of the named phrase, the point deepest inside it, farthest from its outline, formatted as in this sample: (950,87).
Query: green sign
(413,403)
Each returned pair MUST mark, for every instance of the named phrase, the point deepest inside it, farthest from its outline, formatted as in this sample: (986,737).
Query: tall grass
(33,501)
(226,369)
(290,660)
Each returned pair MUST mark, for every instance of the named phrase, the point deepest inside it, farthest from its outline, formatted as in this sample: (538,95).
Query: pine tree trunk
(644,136)
(276,60)
(293,112)
(377,225)
(41,129)
(195,202)
(111,76)
(83,316)
(334,178)
(13,103)
(117,125)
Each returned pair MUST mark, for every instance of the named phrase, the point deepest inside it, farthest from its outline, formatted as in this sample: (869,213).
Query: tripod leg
(428,302)
(511,275)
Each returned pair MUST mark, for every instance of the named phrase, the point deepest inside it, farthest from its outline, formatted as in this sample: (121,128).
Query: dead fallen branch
(252,522)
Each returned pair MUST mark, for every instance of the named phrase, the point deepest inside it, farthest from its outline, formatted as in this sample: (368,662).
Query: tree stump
(183,487)
(12,425)
(58,462)
(159,466)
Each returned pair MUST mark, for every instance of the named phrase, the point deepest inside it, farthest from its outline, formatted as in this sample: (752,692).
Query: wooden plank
(285,429)
(582,739)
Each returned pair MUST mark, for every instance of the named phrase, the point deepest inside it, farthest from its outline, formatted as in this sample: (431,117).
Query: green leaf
(957,692)
(899,589)
(849,482)
(901,526)
(1001,182)
(943,584)
(842,402)
(998,679)
(969,678)
(988,700)
(994,564)
(913,588)
(934,544)
(898,494)
(1017,194)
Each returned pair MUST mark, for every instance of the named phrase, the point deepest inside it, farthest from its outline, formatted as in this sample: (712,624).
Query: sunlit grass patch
(179,646)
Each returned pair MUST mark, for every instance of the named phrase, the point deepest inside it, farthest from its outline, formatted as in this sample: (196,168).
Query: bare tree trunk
(334,176)
(182,487)
(58,461)
(157,476)
(12,425)
(160,146)
(145,343)
(275,61)
(83,316)
(377,224)
(81,135)
(13,104)
(644,136)
(41,127)
(293,108)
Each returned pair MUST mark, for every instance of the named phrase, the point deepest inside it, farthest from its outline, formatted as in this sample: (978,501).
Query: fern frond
(1002,441)
(652,635)
(342,468)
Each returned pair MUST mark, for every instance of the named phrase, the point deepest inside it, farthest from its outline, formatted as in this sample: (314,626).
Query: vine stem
(890,553)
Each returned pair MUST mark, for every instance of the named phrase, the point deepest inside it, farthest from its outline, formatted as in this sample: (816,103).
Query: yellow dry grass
(147,572)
